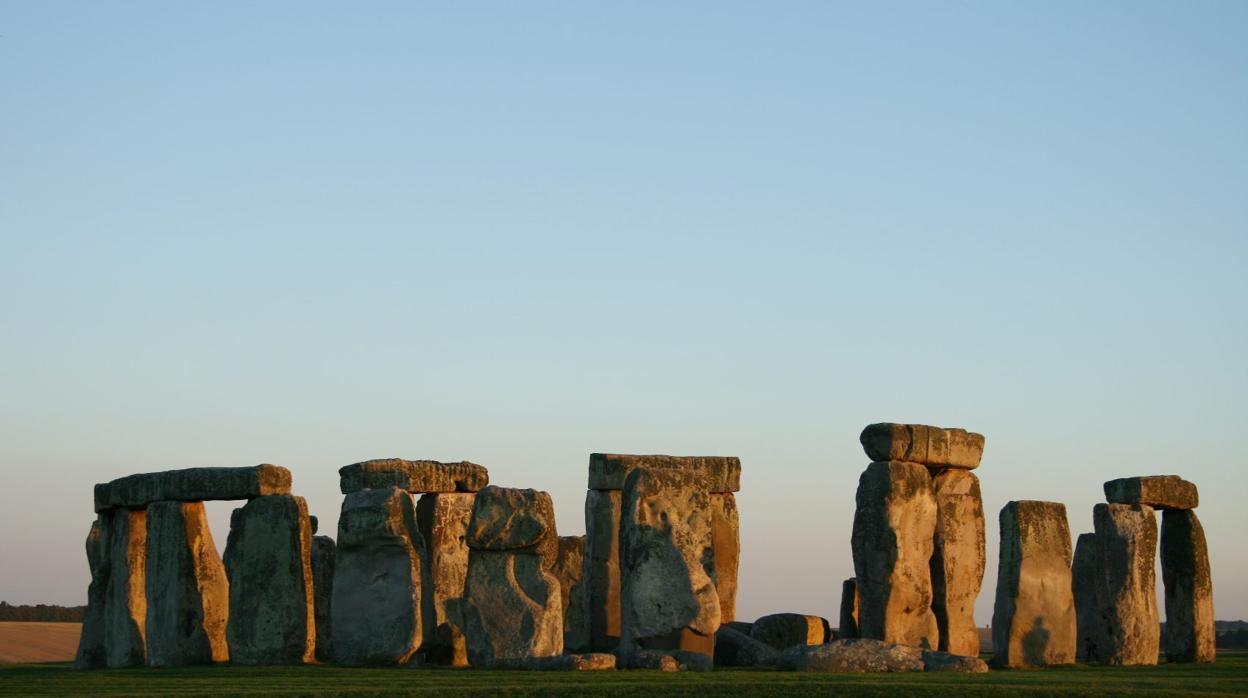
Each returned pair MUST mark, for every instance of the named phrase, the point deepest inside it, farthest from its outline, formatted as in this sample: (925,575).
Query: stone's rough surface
(569,569)
(853,656)
(415,476)
(957,564)
(1089,621)
(91,648)
(892,545)
(268,560)
(505,518)
(783,630)
(918,443)
(726,546)
(599,661)
(608,471)
(848,628)
(1033,619)
(1190,632)
(188,596)
(125,607)
(192,485)
(323,554)
(602,568)
(668,599)
(511,608)
(735,648)
(1156,491)
(944,661)
(375,611)
(443,519)
(1126,585)
(655,660)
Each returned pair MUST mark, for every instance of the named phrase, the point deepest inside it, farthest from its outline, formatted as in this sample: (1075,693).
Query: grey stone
(602,568)
(957,564)
(944,661)
(654,660)
(739,626)
(783,630)
(511,607)
(1126,584)
(734,648)
(510,519)
(268,560)
(324,551)
(1033,619)
(726,547)
(569,569)
(415,476)
(594,661)
(1190,632)
(443,519)
(608,471)
(1088,618)
(934,447)
(375,611)
(91,652)
(1156,491)
(125,607)
(188,595)
(848,628)
(859,655)
(192,485)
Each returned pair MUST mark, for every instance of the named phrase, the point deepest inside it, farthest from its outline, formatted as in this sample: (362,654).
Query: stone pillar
(726,546)
(849,610)
(892,542)
(188,595)
(268,559)
(91,647)
(1033,619)
(443,519)
(602,568)
(324,552)
(125,607)
(1190,631)
(957,564)
(569,569)
(375,608)
(1126,585)
(1089,619)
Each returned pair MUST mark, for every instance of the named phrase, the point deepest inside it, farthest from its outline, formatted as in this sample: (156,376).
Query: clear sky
(516,233)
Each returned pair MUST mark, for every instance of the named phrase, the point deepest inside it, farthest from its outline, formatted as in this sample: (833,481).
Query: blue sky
(312,234)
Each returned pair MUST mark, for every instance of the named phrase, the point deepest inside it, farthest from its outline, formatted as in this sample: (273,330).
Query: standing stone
(957,563)
(323,554)
(512,602)
(849,610)
(1090,621)
(892,545)
(268,559)
(569,569)
(1033,619)
(443,519)
(918,443)
(1190,631)
(415,476)
(188,595)
(726,546)
(602,568)
(1156,491)
(668,599)
(125,607)
(91,649)
(375,608)
(784,630)
(192,485)
(1126,585)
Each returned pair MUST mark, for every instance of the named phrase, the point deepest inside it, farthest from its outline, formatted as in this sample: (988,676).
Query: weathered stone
(1126,584)
(783,630)
(192,485)
(415,476)
(739,626)
(443,519)
(944,661)
(1156,491)
(506,518)
(1090,623)
(91,652)
(737,649)
(655,660)
(188,595)
(957,564)
(569,569)
(608,471)
(1190,631)
(511,607)
(726,546)
(602,568)
(125,607)
(934,447)
(268,560)
(324,551)
(667,597)
(859,655)
(1033,619)
(594,661)
(375,611)
(892,544)
(848,628)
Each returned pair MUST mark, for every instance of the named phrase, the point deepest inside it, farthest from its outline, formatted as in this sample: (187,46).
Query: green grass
(1229,676)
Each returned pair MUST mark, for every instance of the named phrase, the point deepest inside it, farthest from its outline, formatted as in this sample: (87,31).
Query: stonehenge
(1126,588)
(848,626)
(1090,624)
(188,596)
(443,520)
(1190,632)
(958,559)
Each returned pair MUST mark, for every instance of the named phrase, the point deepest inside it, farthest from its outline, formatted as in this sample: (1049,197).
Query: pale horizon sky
(313,234)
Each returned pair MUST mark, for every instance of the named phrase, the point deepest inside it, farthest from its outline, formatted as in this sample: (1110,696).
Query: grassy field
(1229,676)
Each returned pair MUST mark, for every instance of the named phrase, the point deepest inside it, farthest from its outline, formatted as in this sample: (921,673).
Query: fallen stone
(739,626)
(726,547)
(91,652)
(125,607)
(892,541)
(192,485)
(443,519)
(569,569)
(511,607)
(323,553)
(783,630)
(848,627)
(602,568)
(1033,619)
(957,564)
(1126,585)
(595,661)
(1190,631)
(375,610)
(859,655)
(510,519)
(1156,491)
(268,560)
(188,596)
(608,471)
(934,447)
(734,648)
(414,476)
(655,660)
(944,661)
(1090,624)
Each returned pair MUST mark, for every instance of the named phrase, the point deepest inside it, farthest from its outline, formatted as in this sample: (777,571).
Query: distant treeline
(1233,639)
(41,613)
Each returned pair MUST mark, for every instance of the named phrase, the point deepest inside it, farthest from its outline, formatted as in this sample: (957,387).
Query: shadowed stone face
(192,485)
(1091,622)
(784,630)
(125,608)
(957,559)
(602,568)
(1190,631)
(569,569)
(918,443)
(1156,491)
(323,554)
(848,628)
(91,647)
(188,596)
(444,519)
(1126,587)
(414,476)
